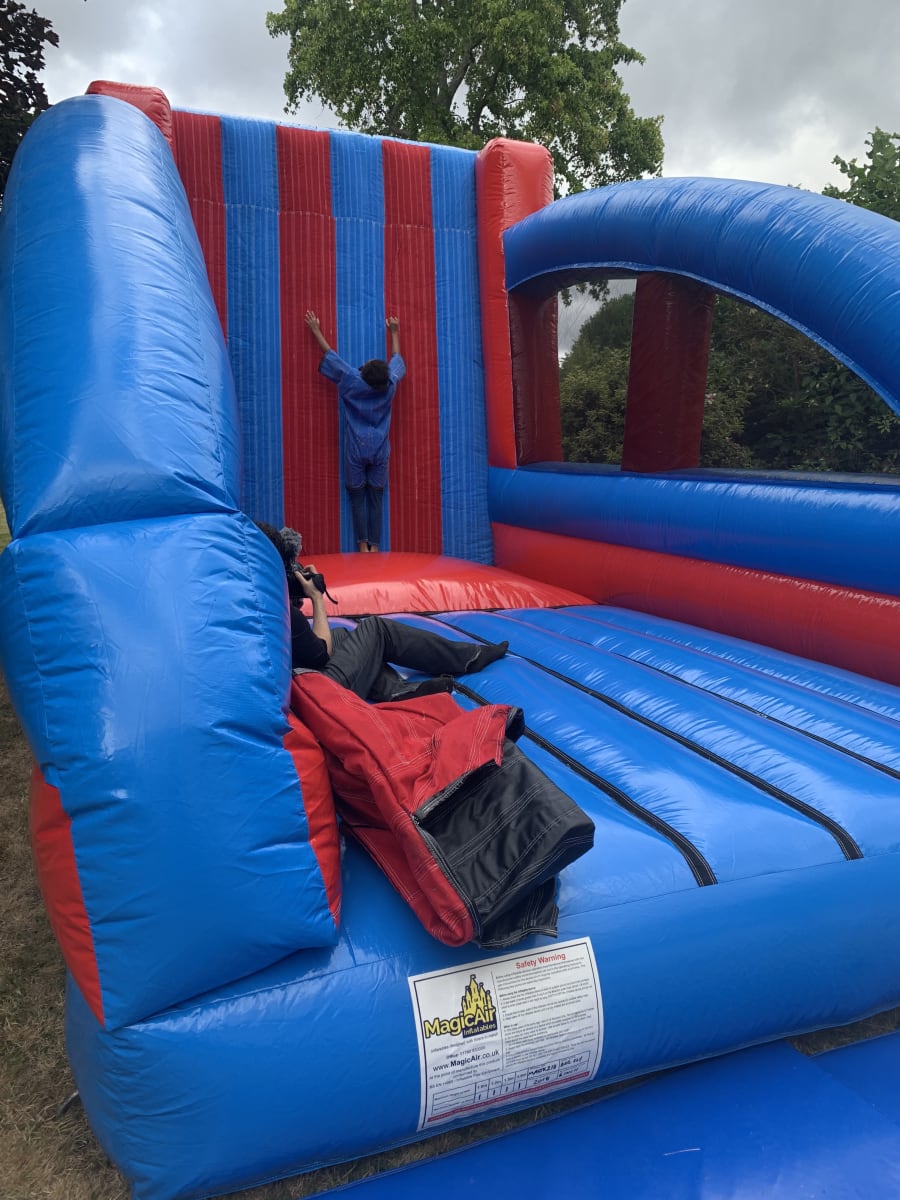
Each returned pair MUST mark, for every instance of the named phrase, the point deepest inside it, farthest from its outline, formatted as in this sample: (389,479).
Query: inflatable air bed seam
(820,739)
(201,1005)
(847,844)
(699,867)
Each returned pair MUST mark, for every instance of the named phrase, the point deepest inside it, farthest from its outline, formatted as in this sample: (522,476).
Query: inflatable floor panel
(763,1122)
(742,887)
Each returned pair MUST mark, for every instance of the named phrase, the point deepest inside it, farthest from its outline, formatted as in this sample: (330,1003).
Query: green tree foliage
(460,72)
(592,382)
(775,400)
(23,35)
(876,184)
(802,409)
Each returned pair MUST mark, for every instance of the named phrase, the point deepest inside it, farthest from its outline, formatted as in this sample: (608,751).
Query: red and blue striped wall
(356,228)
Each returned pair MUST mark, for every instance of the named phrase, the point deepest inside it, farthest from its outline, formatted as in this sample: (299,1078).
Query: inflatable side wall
(144,636)
(789,561)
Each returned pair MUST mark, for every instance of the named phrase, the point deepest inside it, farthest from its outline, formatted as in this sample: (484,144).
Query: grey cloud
(761,89)
(770,89)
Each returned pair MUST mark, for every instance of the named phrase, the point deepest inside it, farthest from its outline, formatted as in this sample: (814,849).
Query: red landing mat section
(423,583)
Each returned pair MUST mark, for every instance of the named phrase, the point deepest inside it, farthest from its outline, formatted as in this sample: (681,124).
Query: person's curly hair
(375,373)
(288,543)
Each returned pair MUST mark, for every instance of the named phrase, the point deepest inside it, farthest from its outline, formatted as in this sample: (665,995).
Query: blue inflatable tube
(145,638)
(222,1032)
(781,249)
(137,379)
(832,531)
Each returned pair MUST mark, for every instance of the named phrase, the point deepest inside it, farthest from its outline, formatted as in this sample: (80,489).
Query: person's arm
(393,324)
(315,329)
(320,626)
(307,650)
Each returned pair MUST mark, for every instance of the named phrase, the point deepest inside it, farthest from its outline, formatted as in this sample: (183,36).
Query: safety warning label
(505,1030)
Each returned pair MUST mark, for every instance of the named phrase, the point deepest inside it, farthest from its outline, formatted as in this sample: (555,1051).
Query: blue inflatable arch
(823,266)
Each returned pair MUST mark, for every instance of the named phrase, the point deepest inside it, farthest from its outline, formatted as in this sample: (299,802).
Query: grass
(48,1154)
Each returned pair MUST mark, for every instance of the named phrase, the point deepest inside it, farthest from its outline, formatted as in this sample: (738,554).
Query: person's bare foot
(363,547)
(373,548)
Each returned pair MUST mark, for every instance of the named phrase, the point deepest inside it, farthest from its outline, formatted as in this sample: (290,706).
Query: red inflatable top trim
(151,101)
(846,627)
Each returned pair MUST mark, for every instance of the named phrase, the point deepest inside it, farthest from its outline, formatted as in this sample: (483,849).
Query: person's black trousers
(359,656)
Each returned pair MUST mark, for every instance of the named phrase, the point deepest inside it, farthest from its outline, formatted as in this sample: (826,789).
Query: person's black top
(307,649)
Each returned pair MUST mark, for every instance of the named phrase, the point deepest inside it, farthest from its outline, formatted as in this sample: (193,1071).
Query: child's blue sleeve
(334,368)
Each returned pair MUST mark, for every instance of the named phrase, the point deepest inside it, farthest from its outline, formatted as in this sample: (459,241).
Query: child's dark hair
(375,373)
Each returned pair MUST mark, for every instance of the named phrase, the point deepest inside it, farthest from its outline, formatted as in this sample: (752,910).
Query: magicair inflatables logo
(477,1014)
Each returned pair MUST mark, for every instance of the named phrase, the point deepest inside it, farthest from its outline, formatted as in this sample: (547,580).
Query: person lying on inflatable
(470,832)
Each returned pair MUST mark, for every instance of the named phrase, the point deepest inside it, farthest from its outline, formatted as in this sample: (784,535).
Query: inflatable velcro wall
(144,636)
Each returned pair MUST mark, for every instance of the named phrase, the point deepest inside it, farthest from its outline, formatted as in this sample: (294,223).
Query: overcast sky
(751,89)
(769,90)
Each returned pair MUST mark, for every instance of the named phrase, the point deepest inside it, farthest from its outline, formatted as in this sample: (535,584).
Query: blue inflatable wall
(144,639)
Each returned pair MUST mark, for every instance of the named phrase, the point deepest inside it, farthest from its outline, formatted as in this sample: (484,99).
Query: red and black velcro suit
(469,831)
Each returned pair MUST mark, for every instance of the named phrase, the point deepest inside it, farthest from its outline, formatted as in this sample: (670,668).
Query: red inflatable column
(667,378)
(198,157)
(512,180)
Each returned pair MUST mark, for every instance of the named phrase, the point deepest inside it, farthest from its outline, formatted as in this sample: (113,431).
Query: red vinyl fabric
(468,830)
(667,374)
(397,582)
(152,101)
(310,418)
(409,287)
(198,156)
(385,761)
(846,627)
(512,180)
(57,875)
(318,804)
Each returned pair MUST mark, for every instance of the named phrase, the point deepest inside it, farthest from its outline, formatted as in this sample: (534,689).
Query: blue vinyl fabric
(744,880)
(764,1122)
(144,639)
(87,428)
(837,532)
(870,1069)
(826,267)
(464,456)
(792,930)
(357,204)
(250,192)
